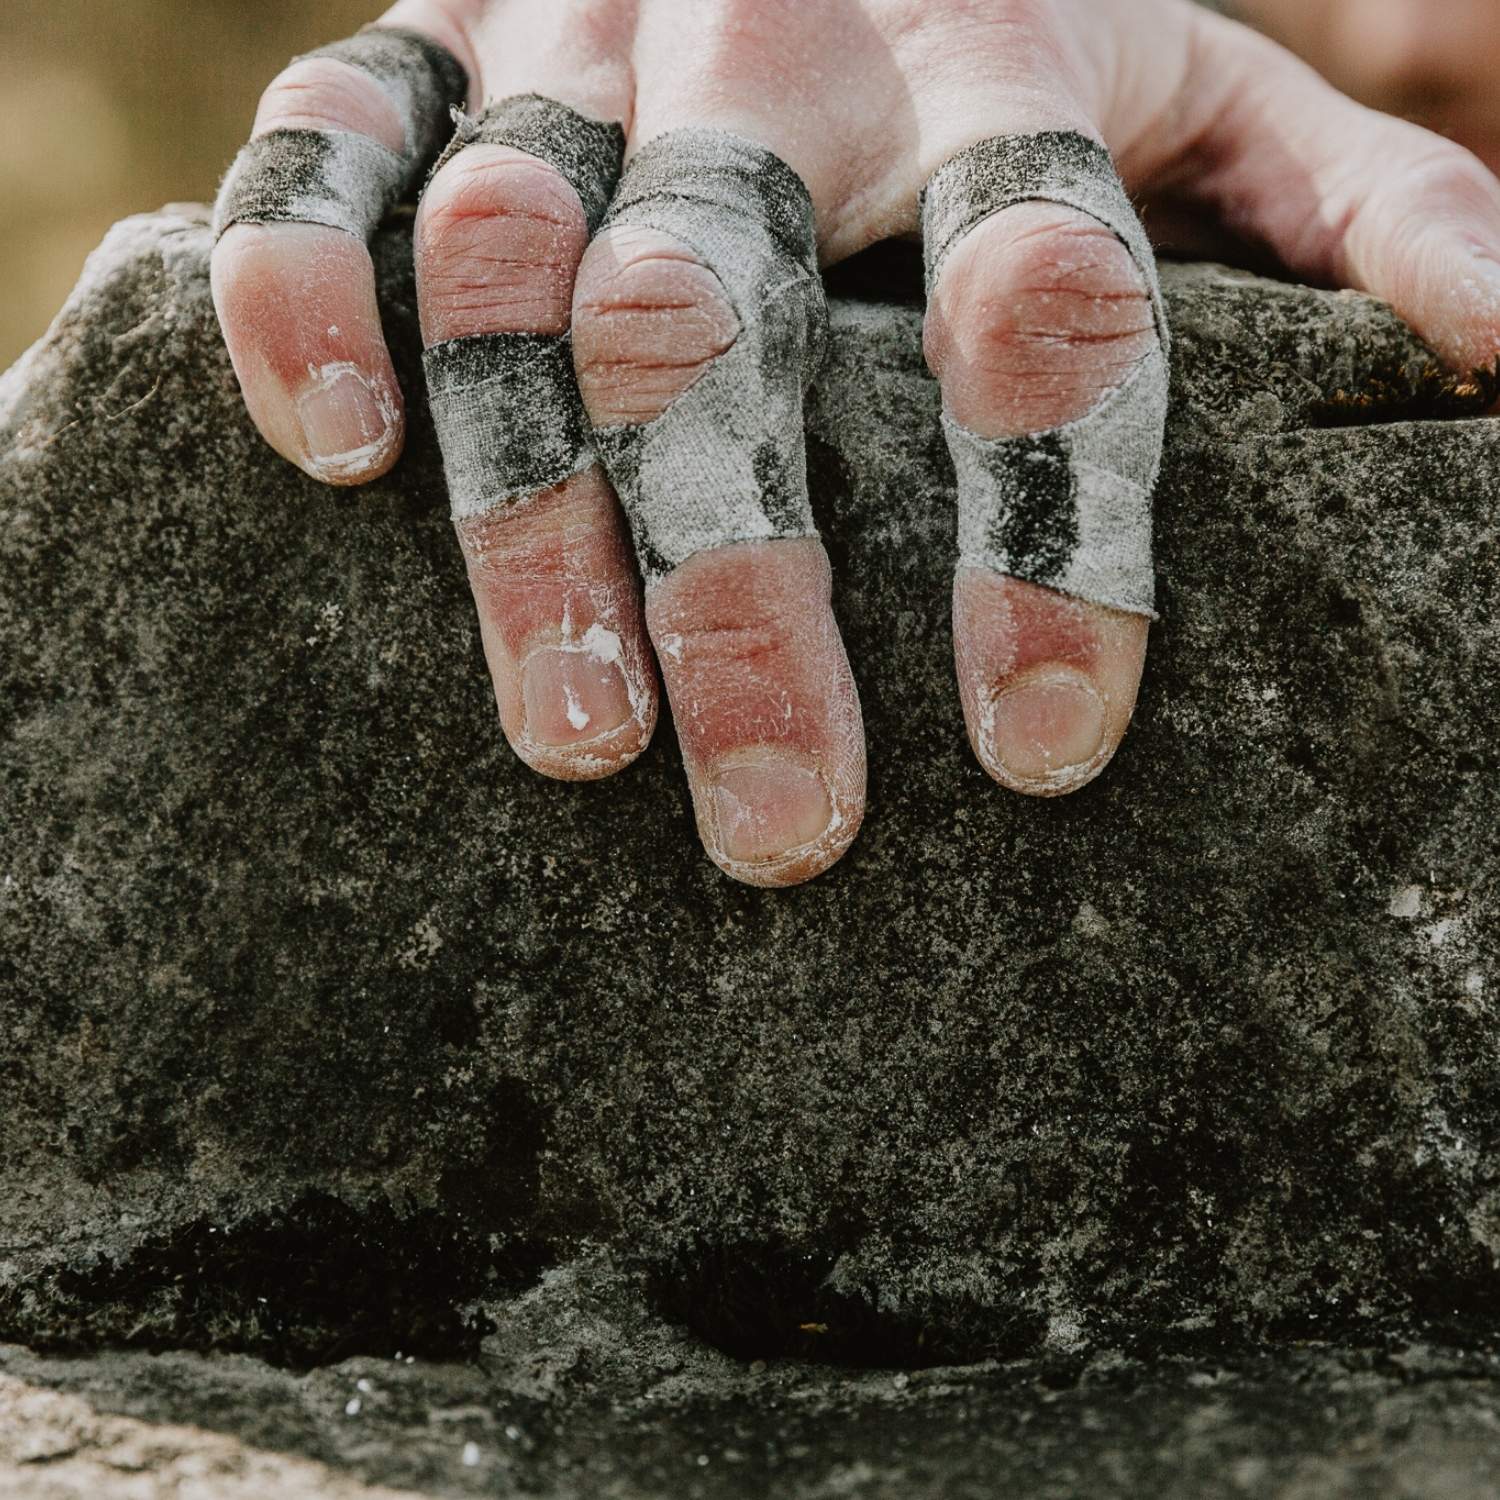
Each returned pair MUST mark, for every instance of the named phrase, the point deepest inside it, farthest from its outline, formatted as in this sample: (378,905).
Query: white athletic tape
(341,179)
(725,461)
(1069,508)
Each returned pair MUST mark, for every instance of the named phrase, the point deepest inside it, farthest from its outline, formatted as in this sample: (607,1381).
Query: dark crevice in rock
(759,1301)
(1399,394)
(314,1285)
(889,271)
(828,475)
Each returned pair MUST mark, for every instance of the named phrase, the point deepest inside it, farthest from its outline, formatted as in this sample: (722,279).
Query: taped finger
(342,136)
(700,323)
(345,179)
(502,229)
(724,461)
(1068,508)
(505,403)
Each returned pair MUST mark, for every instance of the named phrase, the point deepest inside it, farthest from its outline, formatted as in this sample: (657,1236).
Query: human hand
(1039,316)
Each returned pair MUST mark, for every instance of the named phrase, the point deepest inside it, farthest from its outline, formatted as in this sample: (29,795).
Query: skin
(1039,313)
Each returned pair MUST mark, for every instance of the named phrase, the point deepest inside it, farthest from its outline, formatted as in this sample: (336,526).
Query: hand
(1039,312)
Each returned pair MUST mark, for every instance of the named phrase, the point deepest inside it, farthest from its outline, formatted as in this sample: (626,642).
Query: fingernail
(767,808)
(1048,730)
(572,697)
(346,428)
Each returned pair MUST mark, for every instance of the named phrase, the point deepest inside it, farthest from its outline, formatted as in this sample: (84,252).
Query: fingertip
(1048,682)
(773,818)
(573,709)
(1441,272)
(766,708)
(1046,734)
(594,761)
(561,622)
(298,309)
(352,422)
(1466,331)
(586,712)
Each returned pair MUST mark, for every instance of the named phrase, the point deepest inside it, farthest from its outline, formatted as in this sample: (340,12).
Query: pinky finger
(340,137)
(297,306)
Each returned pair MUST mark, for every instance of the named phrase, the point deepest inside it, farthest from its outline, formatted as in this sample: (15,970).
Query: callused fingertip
(352,424)
(769,819)
(1046,734)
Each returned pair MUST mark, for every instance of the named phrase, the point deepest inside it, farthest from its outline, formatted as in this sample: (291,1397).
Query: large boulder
(325,1022)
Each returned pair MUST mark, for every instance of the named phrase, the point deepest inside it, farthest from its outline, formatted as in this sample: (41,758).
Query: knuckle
(746,674)
(556,538)
(1446,182)
(719,646)
(1038,315)
(321,93)
(749,612)
(1060,283)
(500,234)
(648,318)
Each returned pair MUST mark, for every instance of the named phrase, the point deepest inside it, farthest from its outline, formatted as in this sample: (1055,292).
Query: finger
(341,137)
(699,320)
(500,234)
(1338,193)
(1047,333)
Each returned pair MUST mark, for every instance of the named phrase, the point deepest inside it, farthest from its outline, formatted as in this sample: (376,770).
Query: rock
(1307,1424)
(328,1028)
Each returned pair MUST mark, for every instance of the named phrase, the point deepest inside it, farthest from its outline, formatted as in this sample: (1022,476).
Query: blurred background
(112,107)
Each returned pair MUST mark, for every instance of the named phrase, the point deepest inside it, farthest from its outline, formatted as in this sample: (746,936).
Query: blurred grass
(114,107)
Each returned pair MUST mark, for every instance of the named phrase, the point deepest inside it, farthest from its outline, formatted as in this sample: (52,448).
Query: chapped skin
(1036,318)
(746,638)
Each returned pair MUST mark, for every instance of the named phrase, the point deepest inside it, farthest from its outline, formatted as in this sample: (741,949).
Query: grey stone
(328,1028)
(1314,1423)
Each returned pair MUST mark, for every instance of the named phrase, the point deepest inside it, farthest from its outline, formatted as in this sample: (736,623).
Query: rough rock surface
(327,1027)
(677,1422)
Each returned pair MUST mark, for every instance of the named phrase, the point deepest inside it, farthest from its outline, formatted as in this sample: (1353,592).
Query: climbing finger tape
(342,179)
(725,462)
(1069,508)
(506,406)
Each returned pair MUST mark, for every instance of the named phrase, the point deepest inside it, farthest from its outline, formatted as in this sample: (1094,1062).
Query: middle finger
(699,321)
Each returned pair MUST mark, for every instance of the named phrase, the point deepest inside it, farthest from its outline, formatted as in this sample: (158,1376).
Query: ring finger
(500,233)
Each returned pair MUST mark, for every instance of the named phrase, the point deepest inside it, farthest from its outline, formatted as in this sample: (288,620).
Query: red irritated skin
(1037,315)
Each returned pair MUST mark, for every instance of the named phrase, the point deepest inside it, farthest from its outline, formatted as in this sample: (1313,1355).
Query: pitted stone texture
(1203,1053)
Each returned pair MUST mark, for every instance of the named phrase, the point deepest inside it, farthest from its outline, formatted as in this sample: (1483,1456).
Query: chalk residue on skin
(605,646)
(373,452)
(576,715)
